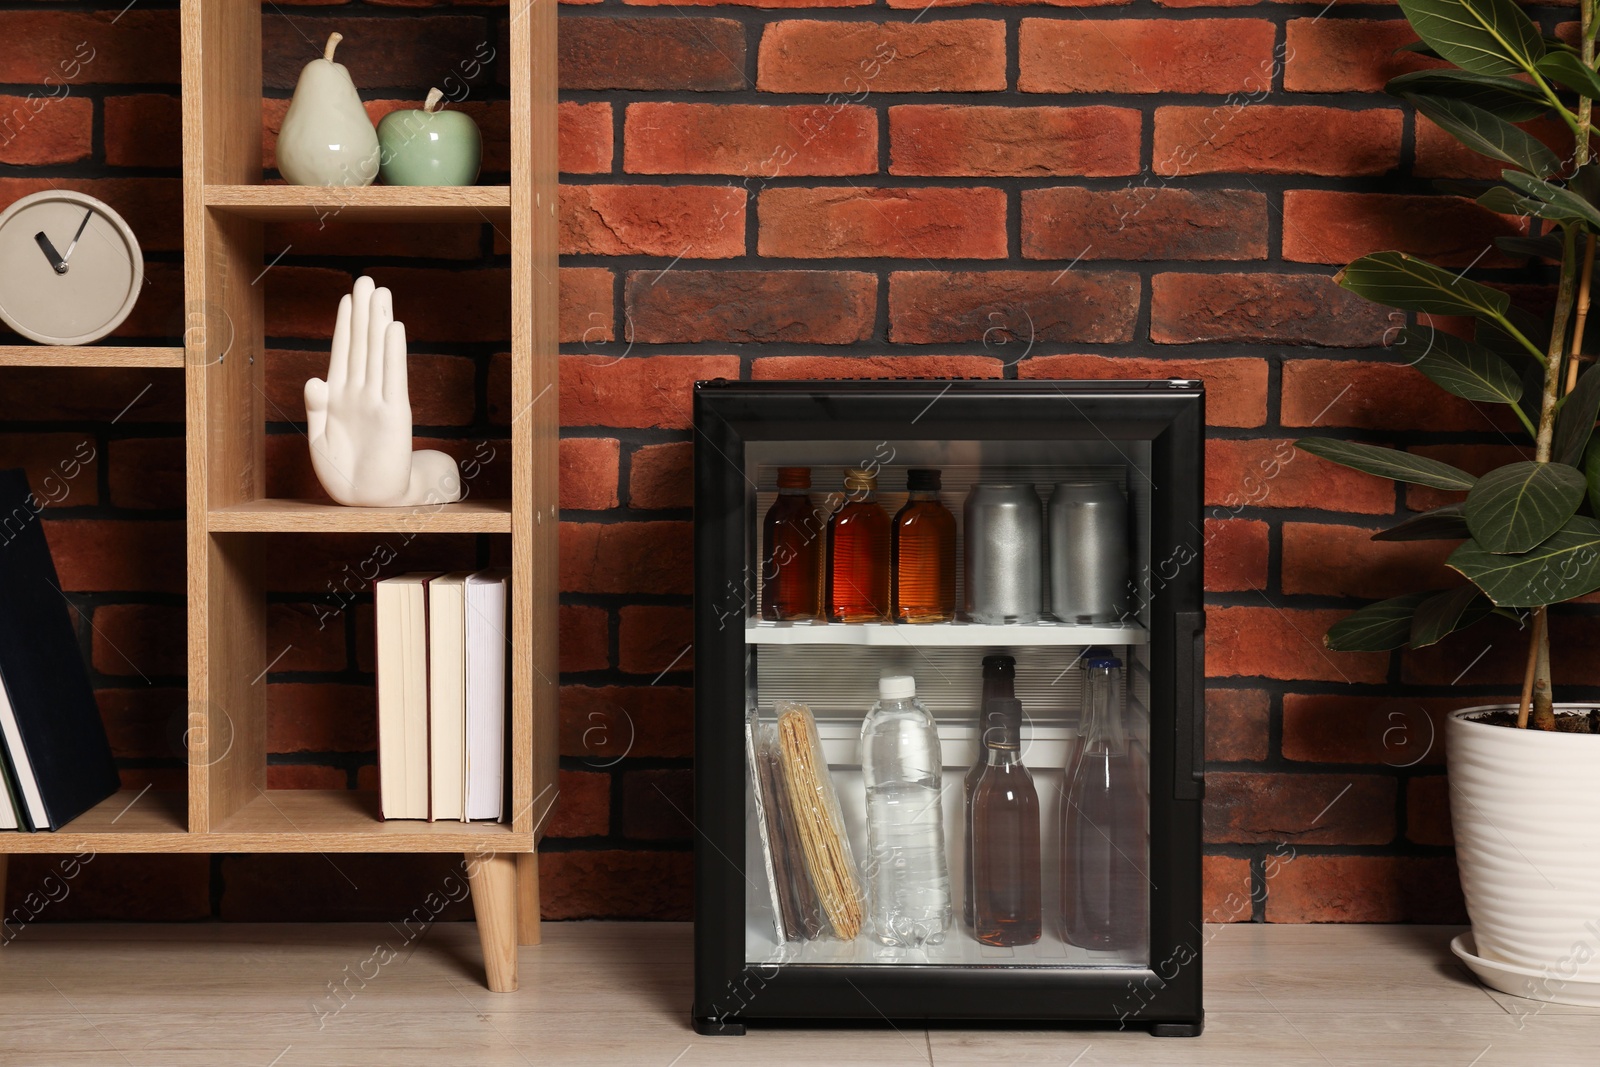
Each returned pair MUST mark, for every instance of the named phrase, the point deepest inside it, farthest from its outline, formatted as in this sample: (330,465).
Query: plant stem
(1533,664)
(1565,296)
(1576,348)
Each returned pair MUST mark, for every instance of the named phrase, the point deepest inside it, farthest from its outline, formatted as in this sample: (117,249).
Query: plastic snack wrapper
(817,822)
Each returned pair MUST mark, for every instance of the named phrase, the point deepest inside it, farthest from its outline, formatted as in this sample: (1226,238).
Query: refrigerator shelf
(942,634)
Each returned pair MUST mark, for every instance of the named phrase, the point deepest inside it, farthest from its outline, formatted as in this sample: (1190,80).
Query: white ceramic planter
(1526,809)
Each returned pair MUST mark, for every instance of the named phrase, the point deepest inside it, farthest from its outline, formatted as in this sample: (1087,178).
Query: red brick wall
(854,189)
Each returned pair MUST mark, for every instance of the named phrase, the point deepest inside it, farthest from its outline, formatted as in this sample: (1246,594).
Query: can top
(794,477)
(897,687)
(920,479)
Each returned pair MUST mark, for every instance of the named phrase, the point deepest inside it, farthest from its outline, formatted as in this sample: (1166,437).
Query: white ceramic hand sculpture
(359,420)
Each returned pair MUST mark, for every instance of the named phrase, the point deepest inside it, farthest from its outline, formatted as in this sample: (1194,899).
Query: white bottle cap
(897,687)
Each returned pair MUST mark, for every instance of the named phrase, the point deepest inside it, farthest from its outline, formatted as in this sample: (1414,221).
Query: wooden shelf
(129,821)
(89,356)
(372,203)
(274,515)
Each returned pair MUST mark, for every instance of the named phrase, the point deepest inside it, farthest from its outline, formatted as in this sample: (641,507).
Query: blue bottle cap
(1103,661)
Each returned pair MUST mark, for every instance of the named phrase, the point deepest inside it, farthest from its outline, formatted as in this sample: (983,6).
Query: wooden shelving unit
(227,807)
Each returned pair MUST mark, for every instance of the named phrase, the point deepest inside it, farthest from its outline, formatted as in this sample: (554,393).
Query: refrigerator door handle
(1189,750)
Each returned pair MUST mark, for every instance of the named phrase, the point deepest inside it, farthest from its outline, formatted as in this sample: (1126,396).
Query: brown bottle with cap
(791,562)
(858,553)
(924,553)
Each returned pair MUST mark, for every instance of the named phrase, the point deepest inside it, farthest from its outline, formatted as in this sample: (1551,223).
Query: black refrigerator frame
(1165,996)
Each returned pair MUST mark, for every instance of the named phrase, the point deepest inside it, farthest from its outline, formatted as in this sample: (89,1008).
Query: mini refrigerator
(787,927)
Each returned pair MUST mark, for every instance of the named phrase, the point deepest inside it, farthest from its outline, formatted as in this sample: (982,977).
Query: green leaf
(1548,246)
(1444,613)
(1586,183)
(1565,565)
(1504,201)
(1491,335)
(1514,508)
(1483,36)
(1446,523)
(1561,205)
(1486,133)
(1575,420)
(1591,470)
(1413,284)
(1459,367)
(1570,71)
(1512,100)
(1376,627)
(1388,463)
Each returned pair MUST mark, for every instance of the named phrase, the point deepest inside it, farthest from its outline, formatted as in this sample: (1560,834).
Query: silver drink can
(1088,551)
(1003,556)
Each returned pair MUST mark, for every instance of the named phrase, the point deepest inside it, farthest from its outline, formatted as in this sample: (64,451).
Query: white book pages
(488,645)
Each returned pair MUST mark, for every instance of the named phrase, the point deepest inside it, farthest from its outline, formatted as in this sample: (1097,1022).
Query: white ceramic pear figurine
(327,138)
(359,420)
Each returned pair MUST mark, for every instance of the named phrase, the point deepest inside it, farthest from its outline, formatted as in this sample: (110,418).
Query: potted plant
(1523,785)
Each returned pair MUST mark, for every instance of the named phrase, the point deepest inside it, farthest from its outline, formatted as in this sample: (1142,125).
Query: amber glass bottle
(924,554)
(1005,836)
(791,563)
(858,553)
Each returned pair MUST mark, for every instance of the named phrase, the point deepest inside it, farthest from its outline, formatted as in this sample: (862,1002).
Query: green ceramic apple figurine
(327,138)
(430,147)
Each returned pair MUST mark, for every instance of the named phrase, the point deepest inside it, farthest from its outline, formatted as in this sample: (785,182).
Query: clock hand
(81,227)
(57,264)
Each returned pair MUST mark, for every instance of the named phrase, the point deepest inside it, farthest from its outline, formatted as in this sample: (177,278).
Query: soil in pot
(1567,722)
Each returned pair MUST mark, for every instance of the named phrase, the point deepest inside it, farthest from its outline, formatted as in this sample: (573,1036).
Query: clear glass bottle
(1104,844)
(999,683)
(900,764)
(924,553)
(1005,836)
(791,564)
(858,553)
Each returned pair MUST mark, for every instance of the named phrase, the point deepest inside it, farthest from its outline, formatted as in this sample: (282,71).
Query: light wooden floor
(618,993)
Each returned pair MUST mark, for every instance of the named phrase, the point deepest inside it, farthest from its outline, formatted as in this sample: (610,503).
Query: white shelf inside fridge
(942,634)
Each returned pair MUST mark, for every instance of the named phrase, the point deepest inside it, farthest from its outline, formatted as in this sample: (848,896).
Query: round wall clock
(70,268)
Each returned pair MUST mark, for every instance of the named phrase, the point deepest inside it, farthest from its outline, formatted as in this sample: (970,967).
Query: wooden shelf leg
(494,904)
(528,898)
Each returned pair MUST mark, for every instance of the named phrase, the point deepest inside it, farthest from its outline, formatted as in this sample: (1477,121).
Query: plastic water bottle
(900,762)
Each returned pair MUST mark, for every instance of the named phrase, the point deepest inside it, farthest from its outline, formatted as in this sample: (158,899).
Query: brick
(584,807)
(349,887)
(750,139)
(967,140)
(301,638)
(147,472)
(1002,307)
(43,394)
(442,387)
(111,555)
(1428,811)
(662,476)
(941,223)
(653,638)
(584,137)
(1280,309)
(1236,389)
(589,468)
(1236,725)
(1347,55)
(1439,155)
(139,639)
(812,56)
(145,722)
(748,307)
(697,54)
(110,887)
(1144,55)
(616,885)
(319,717)
(1377,396)
(45,128)
(1242,138)
(686,221)
(1397,732)
(63,469)
(1476,460)
(636,391)
(585,312)
(399,53)
(657,804)
(749,3)
(1345,561)
(69,48)
(780,368)
(585,634)
(1236,555)
(1131,223)
(1267,642)
(1366,889)
(603,724)
(306,776)
(1312,809)
(1275,474)
(923,4)
(144,131)
(153,207)
(626,557)
(1323,226)
(1226,894)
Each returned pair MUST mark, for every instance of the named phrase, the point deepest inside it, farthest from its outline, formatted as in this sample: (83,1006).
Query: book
(487,643)
(401,607)
(55,742)
(447,696)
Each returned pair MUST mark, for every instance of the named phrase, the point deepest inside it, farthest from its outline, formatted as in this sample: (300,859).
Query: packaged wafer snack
(814,808)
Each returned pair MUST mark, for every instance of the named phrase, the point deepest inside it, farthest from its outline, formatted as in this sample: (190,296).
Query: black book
(55,743)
